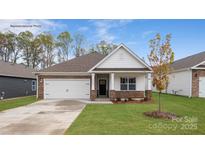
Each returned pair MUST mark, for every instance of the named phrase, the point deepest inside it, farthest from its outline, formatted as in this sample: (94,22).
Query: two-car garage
(67,88)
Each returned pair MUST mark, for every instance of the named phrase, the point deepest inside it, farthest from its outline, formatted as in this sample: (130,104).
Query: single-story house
(120,74)
(187,77)
(16,80)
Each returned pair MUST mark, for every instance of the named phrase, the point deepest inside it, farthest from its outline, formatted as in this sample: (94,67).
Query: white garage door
(66,88)
(201,86)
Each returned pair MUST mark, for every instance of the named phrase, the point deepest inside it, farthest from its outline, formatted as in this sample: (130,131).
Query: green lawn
(13,103)
(129,118)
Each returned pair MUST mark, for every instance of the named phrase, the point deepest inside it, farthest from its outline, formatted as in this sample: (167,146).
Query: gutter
(120,72)
(181,70)
(61,73)
(22,77)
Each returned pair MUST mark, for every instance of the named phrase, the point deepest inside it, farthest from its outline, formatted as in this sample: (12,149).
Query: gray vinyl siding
(16,87)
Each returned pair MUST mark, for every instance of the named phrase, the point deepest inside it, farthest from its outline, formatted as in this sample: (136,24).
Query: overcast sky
(188,36)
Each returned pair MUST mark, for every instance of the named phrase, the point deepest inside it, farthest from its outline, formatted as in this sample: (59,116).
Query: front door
(102,87)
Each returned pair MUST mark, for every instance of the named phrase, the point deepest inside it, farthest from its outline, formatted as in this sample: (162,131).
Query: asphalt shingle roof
(80,64)
(15,70)
(189,61)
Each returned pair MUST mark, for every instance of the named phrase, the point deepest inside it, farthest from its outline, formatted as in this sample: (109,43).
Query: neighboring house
(120,74)
(16,80)
(188,76)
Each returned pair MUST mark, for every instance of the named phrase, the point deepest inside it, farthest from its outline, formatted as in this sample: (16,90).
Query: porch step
(97,101)
(102,99)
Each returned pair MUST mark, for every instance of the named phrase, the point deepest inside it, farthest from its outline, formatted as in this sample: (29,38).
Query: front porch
(121,86)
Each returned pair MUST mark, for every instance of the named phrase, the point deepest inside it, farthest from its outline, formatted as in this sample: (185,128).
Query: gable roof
(15,70)
(189,62)
(128,50)
(80,64)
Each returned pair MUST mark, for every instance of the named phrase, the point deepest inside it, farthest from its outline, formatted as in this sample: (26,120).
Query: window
(33,85)
(132,83)
(123,84)
(127,83)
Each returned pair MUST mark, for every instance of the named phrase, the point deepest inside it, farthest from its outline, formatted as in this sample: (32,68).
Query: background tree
(48,45)
(160,57)
(8,47)
(40,51)
(11,46)
(78,42)
(105,48)
(63,44)
(15,49)
(3,42)
(36,52)
(24,44)
(92,48)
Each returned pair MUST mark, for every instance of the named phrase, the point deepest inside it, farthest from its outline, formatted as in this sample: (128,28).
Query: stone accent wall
(93,95)
(195,81)
(148,95)
(126,94)
(112,94)
(42,77)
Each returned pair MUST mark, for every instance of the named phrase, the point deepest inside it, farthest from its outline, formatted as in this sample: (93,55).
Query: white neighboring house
(120,74)
(187,77)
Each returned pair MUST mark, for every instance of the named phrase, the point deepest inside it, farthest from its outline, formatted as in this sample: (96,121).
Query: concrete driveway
(42,117)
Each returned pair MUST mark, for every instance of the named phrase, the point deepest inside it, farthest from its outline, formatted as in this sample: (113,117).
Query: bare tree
(8,47)
(24,44)
(104,48)
(78,43)
(63,45)
(3,42)
(36,51)
(48,46)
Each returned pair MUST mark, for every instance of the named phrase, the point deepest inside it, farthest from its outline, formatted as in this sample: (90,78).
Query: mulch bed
(163,115)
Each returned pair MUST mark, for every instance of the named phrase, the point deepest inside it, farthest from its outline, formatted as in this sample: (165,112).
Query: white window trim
(128,88)
(33,87)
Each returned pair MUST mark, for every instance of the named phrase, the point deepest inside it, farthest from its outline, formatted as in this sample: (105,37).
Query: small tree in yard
(160,58)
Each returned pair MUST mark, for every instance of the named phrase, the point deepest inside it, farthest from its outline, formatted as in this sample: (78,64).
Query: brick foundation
(148,95)
(112,94)
(195,81)
(93,95)
(126,94)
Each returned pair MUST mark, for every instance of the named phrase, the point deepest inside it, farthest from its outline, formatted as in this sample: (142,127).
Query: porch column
(93,81)
(112,86)
(93,94)
(148,91)
(149,82)
(112,81)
